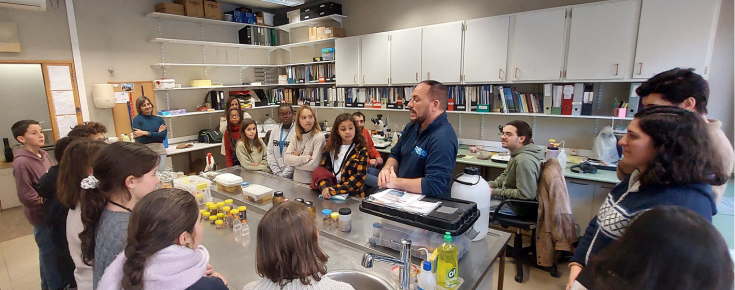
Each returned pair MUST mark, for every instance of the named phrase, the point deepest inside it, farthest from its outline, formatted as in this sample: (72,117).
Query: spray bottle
(426,280)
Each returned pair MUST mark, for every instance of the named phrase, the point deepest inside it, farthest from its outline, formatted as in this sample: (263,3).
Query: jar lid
(242,208)
(308,203)
(202,210)
(220,215)
(209,203)
(378,225)
(200,195)
(345,211)
(212,206)
(234,211)
(218,222)
(220,203)
(226,208)
(326,211)
(278,193)
(213,218)
(206,214)
(334,215)
(301,200)
(228,201)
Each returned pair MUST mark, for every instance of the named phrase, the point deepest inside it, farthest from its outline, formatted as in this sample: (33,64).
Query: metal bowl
(360,280)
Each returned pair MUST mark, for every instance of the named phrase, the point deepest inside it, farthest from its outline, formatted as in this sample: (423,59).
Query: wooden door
(123,114)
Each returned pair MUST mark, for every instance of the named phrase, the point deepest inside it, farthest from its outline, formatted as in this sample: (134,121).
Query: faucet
(404,263)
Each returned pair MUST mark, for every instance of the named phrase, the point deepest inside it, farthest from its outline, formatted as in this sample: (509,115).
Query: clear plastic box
(328,54)
(257,193)
(195,185)
(229,182)
(420,238)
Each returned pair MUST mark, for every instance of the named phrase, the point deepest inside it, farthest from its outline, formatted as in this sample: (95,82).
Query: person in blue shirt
(423,159)
(150,129)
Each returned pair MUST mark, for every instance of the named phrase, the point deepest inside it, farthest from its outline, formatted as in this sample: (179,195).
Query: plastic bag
(605,146)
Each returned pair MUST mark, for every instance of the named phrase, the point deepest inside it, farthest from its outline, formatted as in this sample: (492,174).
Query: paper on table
(65,123)
(64,102)
(395,198)
(59,78)
(422,207)
(121,98)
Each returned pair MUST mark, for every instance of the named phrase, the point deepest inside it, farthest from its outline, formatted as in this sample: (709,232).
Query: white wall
(43,35)
(23,95)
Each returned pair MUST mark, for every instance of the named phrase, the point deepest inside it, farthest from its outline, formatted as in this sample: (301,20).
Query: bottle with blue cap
(426,279)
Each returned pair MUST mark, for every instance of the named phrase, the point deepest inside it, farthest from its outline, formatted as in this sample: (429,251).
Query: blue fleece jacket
(150,123)
(429,154)
(626,202)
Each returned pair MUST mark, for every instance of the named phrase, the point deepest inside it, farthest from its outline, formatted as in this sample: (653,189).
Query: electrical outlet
(574,152)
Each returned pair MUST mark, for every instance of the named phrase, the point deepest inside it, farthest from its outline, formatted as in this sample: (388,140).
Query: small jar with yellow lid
(219,224)
(213,209)
(212,219)
(220,206)
(335,219)
(205,216)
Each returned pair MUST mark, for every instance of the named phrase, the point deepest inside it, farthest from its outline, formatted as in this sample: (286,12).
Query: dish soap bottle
(447,273)
(426,280)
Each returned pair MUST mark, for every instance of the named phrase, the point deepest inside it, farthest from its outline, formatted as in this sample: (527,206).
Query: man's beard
(419,119)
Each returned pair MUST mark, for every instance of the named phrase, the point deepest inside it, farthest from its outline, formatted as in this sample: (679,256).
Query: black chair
(527,222)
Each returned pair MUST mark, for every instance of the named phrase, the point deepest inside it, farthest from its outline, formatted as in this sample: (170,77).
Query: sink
(360,280)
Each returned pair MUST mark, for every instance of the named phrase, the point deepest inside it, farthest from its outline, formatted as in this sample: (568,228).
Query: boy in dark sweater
(29,164)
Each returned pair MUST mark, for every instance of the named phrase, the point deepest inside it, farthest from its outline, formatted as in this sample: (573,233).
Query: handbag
(210,136)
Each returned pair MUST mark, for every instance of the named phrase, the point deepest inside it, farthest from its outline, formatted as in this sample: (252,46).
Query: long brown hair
(299,130)
(156,222)
(229,125)
(335,140)
(111,166)
(73,167)
(684,154)
(288,246)
(227,108)
(244,138)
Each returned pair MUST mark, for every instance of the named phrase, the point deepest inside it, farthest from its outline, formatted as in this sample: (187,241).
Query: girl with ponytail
(123,173)
(163,250)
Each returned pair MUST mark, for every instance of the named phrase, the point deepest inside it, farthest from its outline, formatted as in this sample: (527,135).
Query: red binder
(566,100)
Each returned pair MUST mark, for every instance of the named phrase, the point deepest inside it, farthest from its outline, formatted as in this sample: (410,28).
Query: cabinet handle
(363,79)
(578,183)
(417,77)
(705,69)
(516,75)
(500,74)
(354,78)
(616,68)
(428,75)
(640,68)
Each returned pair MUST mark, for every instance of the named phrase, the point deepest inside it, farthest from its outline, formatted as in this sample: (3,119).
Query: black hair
(438,91)
(666,248)
(676,86)
(523,129)
(358,113)
(60,147)
(683,154)
(21,127)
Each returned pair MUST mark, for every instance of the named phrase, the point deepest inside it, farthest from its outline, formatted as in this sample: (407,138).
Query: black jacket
(208,283)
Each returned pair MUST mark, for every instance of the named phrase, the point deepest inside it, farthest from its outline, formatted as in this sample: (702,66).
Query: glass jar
(220,205)
(326,218)
(228,202)
(200,199)
(219,224)
(345,219)
(213,210)
(220,216)
(311,208)
(335,219)
(300,200)
(205,216)
(243,214)
(277,198)
(226,209)
(212,219)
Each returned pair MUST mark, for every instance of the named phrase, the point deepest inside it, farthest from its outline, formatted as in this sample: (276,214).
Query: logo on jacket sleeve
(420,152)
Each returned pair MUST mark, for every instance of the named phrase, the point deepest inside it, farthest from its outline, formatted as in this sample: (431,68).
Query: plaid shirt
(353,172)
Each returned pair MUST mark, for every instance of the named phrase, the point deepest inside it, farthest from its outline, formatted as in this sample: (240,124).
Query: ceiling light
(286,2)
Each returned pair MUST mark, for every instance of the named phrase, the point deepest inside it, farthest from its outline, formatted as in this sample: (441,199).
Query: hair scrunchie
(90,182)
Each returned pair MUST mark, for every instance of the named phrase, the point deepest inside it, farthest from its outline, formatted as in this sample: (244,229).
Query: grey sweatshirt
(310,149)
(520,178)
(110,240)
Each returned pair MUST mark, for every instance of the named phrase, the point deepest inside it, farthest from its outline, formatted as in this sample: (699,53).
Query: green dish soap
(447,272)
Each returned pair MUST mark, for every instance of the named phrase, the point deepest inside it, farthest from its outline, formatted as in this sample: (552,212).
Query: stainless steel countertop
(473,266)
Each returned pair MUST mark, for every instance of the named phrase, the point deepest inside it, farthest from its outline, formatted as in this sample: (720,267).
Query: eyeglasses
(286,114)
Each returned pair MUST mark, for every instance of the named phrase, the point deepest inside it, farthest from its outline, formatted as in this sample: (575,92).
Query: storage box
(294,16)
(267,17)
(328,8)
(259,20)
(320,33)
(170,8)
(164,84)
(195,185)
(200,83)
(257,193)
(229,182)
(312,33)
(193,8)
(328,54)
(212,10)
(331,32)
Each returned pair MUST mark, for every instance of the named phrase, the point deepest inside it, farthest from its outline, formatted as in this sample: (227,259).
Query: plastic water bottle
(426,280)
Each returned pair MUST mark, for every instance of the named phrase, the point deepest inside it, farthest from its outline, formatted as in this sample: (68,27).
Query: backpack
(210,136)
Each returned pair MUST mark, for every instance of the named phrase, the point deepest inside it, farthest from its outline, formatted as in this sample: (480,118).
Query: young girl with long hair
(674,165)
(288,254)
(232,134)
(305,150)
(122,173)
(75,165)
(164,248)
(251,150)
(346,157)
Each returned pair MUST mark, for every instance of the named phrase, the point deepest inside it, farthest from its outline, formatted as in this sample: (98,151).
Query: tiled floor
(19,264)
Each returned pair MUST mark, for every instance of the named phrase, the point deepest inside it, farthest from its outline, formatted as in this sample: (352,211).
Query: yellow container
(200,83)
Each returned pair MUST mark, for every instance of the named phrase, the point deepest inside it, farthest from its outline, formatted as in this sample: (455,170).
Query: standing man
(424,157)
(687,90)
(278,142)
(374,156)
(519,179)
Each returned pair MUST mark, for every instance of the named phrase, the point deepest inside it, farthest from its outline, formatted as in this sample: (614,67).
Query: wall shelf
(247,86)
(489,113)
(238,45)
(312,22)
(175,17)
(193,113)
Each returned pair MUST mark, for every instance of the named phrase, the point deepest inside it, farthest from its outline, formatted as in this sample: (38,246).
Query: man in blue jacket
(423,159)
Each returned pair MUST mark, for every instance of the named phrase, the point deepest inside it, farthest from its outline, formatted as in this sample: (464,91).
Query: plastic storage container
(195,185)
(229,182)
(453,215)
(328,54)
(471,186)
(163,84)
(257,193)
(420,238)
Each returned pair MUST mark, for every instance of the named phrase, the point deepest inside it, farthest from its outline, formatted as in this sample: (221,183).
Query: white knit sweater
(324,284)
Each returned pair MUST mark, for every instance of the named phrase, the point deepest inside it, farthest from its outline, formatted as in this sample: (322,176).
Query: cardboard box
(320,33)
(312,33)
(193,8)
(259,20)
(212,10)
(294,16)
(170,8)
(331,32)
(267,17)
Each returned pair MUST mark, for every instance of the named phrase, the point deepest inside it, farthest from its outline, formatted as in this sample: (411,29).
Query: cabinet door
(602,41)
(486,49)
(347,58)
(405,56)
(441,52)
(580,196)
(374,56)
(538,46)
(675,33)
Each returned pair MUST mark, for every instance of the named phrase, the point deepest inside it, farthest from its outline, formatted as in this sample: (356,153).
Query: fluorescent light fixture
(286,2)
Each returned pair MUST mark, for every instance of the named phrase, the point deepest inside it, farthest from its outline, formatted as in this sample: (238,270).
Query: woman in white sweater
(287,254)
(304,152)
(73,168)
(232,103)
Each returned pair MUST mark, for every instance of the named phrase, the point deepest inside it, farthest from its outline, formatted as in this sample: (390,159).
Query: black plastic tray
(456,224)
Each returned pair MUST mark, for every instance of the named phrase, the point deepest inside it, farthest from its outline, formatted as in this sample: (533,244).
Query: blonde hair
(299,130)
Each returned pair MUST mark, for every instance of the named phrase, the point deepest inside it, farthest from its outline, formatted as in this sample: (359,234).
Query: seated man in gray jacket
(519,180)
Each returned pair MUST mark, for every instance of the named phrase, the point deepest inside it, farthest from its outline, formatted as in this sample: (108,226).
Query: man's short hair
(21,127)
(677,85)
(523,129)
(438,91)
(358,113)
(87,129)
